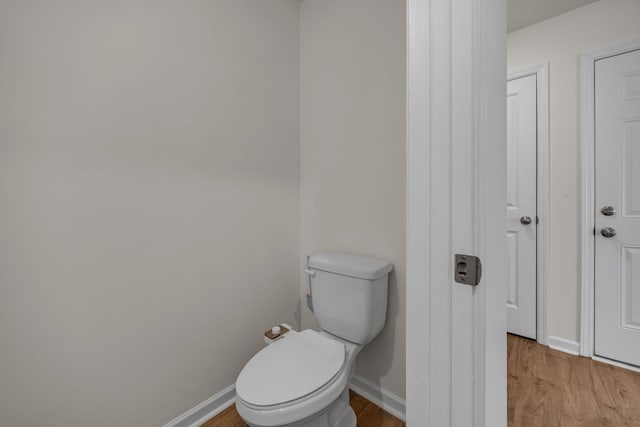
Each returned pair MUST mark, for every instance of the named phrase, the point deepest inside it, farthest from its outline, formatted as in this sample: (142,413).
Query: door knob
(608,232)
(525,220)
(608,211)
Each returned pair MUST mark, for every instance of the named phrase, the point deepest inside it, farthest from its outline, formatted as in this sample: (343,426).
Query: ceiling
(522,13)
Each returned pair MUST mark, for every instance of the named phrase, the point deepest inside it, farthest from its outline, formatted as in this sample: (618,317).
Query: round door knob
(608,232)
(608,211)
(525,220)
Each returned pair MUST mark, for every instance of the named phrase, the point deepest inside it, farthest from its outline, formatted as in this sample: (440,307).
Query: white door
(521,205)
(617,247)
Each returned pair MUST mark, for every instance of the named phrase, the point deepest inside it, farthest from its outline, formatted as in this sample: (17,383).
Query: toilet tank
(349,294)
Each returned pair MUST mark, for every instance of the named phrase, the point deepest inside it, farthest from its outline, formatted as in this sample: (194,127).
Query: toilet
(302,379)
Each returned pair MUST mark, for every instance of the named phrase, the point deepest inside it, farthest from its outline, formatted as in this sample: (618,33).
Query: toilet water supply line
(310,274)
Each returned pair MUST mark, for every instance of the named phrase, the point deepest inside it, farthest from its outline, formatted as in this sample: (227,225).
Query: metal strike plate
(467,269)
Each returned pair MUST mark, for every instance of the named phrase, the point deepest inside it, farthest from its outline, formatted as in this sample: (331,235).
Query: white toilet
(302,379)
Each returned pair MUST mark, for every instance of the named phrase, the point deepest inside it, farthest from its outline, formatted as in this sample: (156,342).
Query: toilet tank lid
(360,266)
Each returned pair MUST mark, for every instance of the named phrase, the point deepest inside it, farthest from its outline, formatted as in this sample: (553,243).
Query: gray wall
(353,153)
(149,202)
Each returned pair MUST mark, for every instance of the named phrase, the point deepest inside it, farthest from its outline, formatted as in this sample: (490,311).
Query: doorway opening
(559,387)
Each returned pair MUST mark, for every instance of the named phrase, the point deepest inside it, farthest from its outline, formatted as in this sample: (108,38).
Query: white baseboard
(567,346)
(206,410)
(573,347)
(616,363)
(393,404)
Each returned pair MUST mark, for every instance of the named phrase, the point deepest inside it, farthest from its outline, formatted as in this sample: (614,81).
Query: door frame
(542,192)
(456,145)
(587,229)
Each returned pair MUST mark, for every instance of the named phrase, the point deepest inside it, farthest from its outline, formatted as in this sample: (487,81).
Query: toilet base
(338,414)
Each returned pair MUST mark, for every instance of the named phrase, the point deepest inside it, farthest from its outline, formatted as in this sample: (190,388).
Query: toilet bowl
(300,380)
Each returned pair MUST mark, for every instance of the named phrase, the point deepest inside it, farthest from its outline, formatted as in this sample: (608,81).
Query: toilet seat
(291,369)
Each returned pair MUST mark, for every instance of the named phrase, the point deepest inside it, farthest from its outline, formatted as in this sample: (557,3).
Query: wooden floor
(546,388)
(554,389)
(368,414)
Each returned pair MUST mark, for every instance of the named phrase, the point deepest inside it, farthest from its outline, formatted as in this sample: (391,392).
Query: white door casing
(617,184)
(456,167)
(521,205)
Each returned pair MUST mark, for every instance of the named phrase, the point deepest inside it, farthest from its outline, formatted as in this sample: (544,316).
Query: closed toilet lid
(290,368)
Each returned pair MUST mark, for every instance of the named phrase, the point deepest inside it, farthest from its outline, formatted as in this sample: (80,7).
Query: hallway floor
(550,388)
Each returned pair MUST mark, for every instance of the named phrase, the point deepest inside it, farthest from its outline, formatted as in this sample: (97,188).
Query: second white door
(617,202)
(521,205)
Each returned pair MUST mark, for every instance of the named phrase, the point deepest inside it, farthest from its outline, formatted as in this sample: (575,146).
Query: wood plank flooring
(546,388)
(368,415)
(553,389)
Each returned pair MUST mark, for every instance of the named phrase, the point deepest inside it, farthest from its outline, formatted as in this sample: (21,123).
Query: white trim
(206,410)
(587,146)
(573,347)
(389,402)
(542,184)
(490,135)
(456,149)
(564,345)
(616,363)
(418,289)
(196,416)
